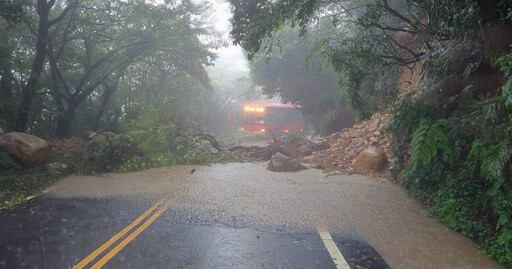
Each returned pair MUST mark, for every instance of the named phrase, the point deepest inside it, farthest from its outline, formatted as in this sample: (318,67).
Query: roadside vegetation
(18,184)
(148,140)
(133,71)
(451,127)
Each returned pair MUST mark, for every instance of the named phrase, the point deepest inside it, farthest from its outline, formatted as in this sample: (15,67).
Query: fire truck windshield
(254,118)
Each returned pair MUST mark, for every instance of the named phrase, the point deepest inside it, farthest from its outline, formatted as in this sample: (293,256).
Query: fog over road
(228,216)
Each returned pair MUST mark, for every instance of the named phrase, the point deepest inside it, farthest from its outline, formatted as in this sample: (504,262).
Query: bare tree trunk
(64,124)
(7,105)
(28,92)
(110,88)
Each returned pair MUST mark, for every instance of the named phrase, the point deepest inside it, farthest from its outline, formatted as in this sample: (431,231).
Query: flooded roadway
(233,198)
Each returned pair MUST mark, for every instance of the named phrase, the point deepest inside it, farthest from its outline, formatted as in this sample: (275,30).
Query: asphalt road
(59,232)
(228,216)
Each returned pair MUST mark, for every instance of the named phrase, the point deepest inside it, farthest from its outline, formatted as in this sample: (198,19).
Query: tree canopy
(83,49)
(367,37)
(296,76)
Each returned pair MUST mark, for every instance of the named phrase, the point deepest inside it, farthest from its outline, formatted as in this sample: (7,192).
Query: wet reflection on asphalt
(229,215)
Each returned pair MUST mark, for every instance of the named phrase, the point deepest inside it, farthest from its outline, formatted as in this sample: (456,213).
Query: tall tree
(11,14)
(103,39)
(368,36)
(300,77)
(46,22)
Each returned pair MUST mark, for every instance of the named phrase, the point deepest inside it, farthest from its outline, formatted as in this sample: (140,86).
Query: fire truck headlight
(263,130)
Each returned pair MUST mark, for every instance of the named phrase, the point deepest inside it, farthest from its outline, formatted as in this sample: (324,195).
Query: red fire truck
(277,119)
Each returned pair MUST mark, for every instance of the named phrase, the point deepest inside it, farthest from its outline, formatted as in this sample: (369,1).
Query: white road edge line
(335,253)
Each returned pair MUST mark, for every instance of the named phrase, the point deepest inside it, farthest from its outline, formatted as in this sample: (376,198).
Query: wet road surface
(229,216)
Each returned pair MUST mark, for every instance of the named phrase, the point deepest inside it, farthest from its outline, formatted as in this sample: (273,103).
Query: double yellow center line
(161,205)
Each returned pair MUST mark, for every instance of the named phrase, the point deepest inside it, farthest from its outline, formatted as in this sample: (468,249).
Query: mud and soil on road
(336,153)
(246,195)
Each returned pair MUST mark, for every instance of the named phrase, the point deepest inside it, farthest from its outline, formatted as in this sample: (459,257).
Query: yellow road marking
(130,237)
(335,253)
(116,237)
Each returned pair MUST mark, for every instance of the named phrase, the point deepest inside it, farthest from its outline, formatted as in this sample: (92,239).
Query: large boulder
(281,163)
(6,161)
(28,150)
(370,159)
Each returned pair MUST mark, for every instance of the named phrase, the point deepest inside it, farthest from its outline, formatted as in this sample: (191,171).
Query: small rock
(394,171)
(312,166)
(281,163)
(57,167)
(309,159)
(91,135)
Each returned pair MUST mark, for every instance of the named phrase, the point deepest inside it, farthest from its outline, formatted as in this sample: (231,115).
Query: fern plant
(455,140)
(406,119)
(429,140)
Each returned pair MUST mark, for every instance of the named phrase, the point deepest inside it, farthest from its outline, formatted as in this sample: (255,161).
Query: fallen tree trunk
(264,153)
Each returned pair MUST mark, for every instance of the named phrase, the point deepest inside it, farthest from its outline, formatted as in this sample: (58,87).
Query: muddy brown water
(381,213)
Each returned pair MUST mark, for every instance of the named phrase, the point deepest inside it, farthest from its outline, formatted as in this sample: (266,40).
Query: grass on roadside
(18,184)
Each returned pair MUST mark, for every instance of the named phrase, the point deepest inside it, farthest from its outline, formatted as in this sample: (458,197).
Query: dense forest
(72,66)
(137,71)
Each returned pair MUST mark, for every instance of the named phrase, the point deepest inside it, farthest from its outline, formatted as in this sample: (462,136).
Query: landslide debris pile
(346,145)
(59,146)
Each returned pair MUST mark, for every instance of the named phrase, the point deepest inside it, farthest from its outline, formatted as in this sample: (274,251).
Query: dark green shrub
(112,152)
(165,138)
